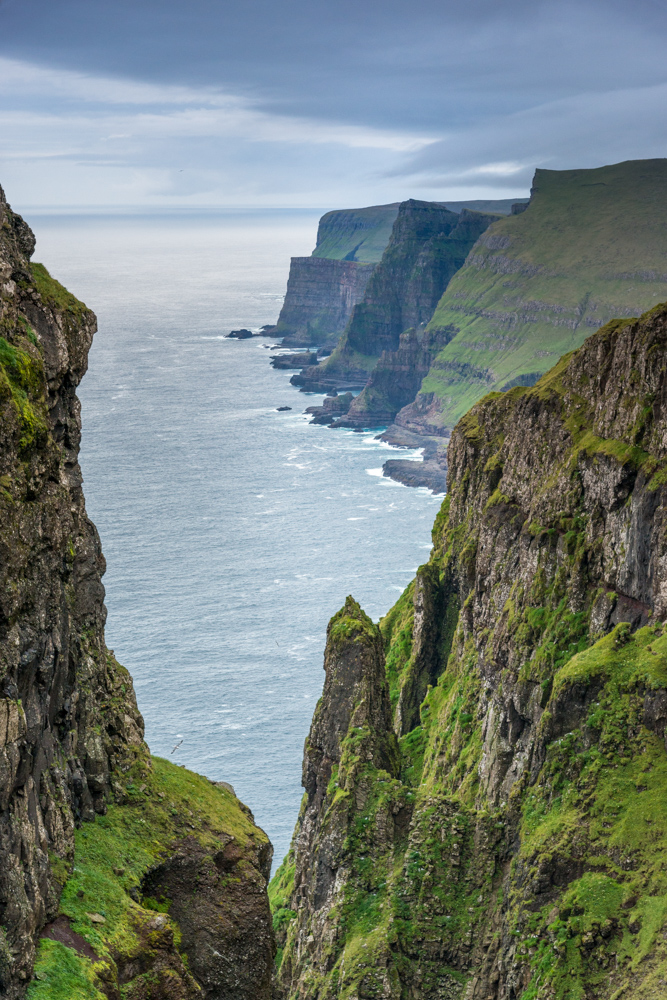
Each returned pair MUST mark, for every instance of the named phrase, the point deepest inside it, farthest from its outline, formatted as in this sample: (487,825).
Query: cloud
(175,112)
(581,131)
(321,105)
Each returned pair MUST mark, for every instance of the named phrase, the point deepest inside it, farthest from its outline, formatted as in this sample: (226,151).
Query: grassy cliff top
(362,234)
(591,246)
(359,234)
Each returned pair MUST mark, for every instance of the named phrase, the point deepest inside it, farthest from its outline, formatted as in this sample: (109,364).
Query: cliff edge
(100,845)
(515,847)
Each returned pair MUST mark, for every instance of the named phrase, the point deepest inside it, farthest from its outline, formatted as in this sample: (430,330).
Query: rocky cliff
(117,872)
(485,813)
(428,244)
(320,296)
(323,289)
(398,374)
(592,245)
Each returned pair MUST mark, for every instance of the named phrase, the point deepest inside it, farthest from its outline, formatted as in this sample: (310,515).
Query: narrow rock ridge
(84,811)
(516,851)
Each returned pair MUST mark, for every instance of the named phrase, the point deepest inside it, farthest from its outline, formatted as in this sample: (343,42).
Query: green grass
(113,854)
(359,234)
(590,247)
(351,623)
(54,293)
(63,974)
(608,796)
(22,383)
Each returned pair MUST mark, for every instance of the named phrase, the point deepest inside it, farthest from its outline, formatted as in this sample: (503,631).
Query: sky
(161,105)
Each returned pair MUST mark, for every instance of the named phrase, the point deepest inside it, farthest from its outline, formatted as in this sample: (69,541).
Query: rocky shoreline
(448,306)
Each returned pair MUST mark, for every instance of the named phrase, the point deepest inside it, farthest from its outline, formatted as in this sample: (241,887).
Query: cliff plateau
(485,808)
(120,874)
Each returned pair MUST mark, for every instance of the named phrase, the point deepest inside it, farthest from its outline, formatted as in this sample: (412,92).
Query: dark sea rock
(240,334)
(410,472)
(287,361)
(332,407)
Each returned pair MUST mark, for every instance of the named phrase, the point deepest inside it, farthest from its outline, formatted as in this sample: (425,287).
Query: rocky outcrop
(320,296)
(351,752)
(332,407)
(428,245)
(287,361)
(73,765)
(527,673)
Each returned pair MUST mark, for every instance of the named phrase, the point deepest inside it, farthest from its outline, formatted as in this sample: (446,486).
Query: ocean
(232,531)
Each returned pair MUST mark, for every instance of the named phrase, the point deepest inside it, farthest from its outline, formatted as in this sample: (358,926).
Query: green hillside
(362,234)
(359,234)
(591,246)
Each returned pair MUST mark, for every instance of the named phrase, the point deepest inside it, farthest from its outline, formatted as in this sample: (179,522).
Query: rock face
(300,360)
(428,245)
(332,407)
(516,848)
(396,378)
(71,737)
(351,752)
(592,245)
(320,296)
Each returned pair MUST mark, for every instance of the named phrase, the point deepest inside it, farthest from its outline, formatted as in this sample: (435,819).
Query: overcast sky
(320,103)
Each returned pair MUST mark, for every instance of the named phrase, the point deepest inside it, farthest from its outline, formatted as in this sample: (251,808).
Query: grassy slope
(592,245)
(162,805)
(363,232)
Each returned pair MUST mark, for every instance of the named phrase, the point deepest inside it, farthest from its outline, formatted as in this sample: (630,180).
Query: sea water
(232,531)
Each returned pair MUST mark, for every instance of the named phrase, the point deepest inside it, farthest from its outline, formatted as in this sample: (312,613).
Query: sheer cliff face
(592,245)
(71,737)
(428,245)
(517,852)
(68,713)
(320,297)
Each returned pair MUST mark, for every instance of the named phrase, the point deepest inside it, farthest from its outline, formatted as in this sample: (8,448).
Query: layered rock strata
(321,294)
(428,245)
(592,245)
(515,847)
(75,774)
